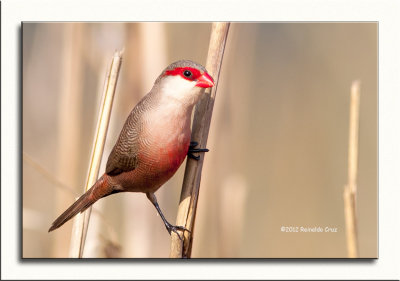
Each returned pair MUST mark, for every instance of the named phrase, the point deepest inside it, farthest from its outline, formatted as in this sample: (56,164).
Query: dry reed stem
(200,128)
(81,221)
(48,175)
(233,194)
(69,120)
(350,190)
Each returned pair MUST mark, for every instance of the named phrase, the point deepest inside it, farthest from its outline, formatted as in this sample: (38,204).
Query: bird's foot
(192,150)
(175,228)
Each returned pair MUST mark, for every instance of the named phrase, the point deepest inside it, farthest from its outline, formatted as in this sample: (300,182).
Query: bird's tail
(100,189)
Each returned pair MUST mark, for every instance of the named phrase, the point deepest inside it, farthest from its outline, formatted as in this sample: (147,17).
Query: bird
(154,141)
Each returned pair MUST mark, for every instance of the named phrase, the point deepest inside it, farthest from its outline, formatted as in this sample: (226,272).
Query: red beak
(205,81)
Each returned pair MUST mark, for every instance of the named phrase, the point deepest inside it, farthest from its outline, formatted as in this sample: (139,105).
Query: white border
(386,12)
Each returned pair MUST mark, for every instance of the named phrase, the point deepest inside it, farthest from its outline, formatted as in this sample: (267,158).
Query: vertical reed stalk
(69,116)
(350,190)
(200,128)
(81,221)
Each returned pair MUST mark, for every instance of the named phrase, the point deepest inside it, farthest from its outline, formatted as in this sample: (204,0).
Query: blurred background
(278,139)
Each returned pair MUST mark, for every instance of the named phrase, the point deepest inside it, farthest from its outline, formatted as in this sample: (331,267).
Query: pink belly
(157,164)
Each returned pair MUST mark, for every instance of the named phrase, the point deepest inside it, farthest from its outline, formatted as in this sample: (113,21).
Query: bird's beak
(205,81)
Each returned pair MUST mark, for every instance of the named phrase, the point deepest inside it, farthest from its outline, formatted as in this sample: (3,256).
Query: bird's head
(184,81)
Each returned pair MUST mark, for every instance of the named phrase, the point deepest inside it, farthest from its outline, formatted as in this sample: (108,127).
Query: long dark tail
(99,190)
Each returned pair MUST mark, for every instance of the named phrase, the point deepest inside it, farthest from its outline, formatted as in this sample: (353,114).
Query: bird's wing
(123,157)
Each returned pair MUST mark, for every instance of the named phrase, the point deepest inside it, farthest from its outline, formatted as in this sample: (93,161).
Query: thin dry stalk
(69,116)
(350,190)
(234,191)
(200,128)
(48,175)
(81,221)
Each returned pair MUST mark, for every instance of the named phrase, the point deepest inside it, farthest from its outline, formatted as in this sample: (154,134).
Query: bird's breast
(166,139)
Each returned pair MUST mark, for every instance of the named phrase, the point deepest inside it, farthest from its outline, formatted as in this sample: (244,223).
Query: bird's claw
(175,228)
(192,150)
(193,144)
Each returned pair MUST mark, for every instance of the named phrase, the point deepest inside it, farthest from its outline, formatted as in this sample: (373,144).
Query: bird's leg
(170,227)
(192,150)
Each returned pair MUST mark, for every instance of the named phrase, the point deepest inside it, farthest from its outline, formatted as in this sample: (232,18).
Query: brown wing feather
(123,157)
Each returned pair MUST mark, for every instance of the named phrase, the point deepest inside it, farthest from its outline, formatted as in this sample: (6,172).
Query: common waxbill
(154,141)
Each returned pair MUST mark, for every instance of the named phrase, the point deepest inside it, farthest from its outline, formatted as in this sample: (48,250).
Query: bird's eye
(187,73)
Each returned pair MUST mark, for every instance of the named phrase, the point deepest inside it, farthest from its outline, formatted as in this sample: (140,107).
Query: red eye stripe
(180,70)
